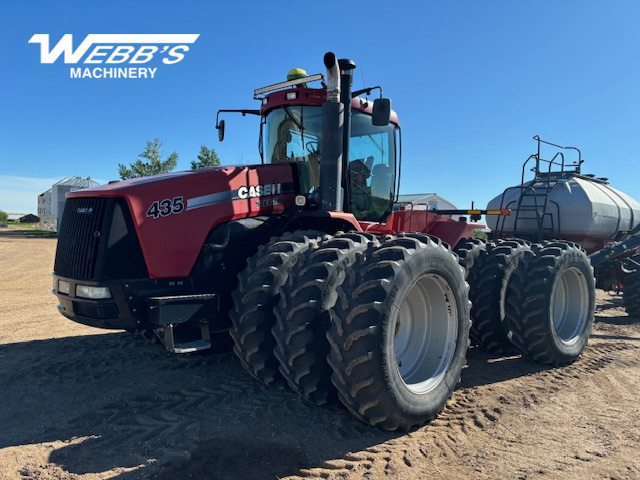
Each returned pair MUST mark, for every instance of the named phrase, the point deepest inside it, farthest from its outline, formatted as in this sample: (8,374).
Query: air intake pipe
(331,191)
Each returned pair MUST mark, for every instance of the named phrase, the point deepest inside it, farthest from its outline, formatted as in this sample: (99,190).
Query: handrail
(547,173)
(577,164)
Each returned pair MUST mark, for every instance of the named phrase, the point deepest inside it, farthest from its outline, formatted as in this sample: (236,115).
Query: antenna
(362,72)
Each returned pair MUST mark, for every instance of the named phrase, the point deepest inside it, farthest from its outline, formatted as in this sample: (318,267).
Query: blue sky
(472,82)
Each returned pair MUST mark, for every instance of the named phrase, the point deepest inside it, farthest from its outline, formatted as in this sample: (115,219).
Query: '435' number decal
(164,208)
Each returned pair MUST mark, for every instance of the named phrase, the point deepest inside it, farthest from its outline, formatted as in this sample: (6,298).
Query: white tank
(585,207)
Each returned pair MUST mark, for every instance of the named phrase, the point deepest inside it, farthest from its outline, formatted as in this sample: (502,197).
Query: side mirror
(381,112)
(220,128)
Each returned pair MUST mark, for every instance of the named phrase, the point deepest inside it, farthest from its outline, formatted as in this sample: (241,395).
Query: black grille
(97,241)
(79,237)
(123,252)
(99,312)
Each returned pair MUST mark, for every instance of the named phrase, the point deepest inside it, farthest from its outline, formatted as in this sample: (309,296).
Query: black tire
(391,369)
(550,304)
(303,316)
(258,291)
(488,281)
(631,294)
(468,251)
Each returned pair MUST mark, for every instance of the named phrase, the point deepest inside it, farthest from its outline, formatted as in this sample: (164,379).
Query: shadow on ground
(109,402)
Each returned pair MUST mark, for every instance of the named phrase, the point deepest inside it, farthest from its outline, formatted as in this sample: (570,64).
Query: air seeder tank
(560,202)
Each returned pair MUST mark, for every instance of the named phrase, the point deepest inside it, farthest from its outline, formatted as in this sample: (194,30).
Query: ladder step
(190,347)
(196,345)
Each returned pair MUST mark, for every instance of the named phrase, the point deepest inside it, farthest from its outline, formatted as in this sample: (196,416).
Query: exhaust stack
(333,77)
(331,191)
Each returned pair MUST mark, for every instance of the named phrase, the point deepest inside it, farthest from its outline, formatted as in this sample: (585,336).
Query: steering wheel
(312,147)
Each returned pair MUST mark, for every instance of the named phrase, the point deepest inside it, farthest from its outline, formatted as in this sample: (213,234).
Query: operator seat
(360,192)
(381,192)
(381,179)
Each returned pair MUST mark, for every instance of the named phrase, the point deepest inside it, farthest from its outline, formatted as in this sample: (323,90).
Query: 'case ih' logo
(254,191)
(85,210)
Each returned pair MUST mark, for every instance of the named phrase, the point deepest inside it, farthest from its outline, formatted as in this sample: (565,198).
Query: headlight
(64,287)
(85,291)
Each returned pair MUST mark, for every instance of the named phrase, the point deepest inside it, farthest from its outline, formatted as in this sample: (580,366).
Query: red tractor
(322,280)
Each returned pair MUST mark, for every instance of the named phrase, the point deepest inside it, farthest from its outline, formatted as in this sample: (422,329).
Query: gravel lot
(82,403)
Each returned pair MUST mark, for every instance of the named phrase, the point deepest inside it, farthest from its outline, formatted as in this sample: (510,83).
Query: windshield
(293,134)
(372,168)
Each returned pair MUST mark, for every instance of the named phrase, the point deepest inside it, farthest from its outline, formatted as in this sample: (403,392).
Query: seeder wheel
(550,304)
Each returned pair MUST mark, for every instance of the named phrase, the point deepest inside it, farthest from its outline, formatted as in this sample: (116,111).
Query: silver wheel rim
(426,330)
(570,306)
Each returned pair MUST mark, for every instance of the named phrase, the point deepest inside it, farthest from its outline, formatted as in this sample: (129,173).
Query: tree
(149,162)
(481,234)
(206,158)
(3,217)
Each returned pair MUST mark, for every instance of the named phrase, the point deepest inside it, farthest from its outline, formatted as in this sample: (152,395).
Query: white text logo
(110,49)
(253,191)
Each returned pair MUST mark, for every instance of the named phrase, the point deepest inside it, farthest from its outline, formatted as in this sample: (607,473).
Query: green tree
(481,234)
(206,158)
(3,217)
(149,162)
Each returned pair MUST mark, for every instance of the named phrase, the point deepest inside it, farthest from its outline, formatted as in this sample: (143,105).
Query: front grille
(97,241)
(79,237)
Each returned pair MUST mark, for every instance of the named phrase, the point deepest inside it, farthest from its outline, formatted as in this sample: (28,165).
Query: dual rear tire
(258,292)
(399,332)
(303,314)
(382,324)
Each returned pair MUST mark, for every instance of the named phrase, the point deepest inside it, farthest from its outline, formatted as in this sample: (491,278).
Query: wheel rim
(426,330)
(570,305)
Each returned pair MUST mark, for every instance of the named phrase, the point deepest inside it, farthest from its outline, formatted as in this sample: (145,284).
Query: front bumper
(127,309)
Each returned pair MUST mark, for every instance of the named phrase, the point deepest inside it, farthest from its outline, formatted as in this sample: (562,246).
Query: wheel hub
(425,334)
(569,305)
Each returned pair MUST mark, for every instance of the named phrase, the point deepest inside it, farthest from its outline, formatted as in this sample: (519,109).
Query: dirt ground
(82,403)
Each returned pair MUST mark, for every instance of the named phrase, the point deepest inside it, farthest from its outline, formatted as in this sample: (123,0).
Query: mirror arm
(367,91)
(220,127)
(243,112)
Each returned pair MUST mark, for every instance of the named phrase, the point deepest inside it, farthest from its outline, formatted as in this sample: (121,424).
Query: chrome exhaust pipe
(333,77)
(331,193)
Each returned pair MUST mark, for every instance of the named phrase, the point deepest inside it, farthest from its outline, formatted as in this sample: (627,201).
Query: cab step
(191,313)
(186,347)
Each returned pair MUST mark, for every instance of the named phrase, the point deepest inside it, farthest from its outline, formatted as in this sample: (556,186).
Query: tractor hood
(173,213)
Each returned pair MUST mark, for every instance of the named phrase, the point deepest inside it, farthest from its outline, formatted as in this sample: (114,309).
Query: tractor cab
(291,131)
